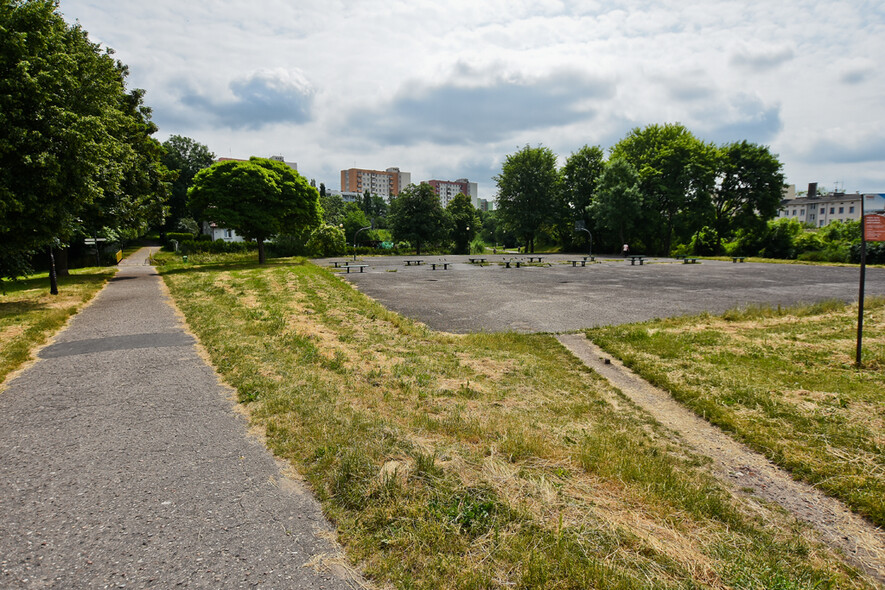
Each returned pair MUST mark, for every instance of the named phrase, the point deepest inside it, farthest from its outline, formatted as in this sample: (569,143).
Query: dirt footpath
(742,468)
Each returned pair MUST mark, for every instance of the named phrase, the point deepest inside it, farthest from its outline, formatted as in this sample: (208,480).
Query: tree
(333,207)
(579,179)
(70,134)
(187,157)
(527,191)
(417,216)
(327,240)
(750,187)
(465,222)
(259,198)
(617,207)
(353,219)
(676,174)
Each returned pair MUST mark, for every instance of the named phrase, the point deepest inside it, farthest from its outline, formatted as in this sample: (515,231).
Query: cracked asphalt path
(123,463)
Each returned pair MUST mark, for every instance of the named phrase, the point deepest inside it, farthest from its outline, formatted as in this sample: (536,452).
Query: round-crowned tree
(258,198)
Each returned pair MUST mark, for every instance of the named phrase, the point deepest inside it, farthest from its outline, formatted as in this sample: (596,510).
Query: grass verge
(782,380)
(29,315)
(477,461)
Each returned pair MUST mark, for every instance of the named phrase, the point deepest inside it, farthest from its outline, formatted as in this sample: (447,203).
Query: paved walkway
(124,464)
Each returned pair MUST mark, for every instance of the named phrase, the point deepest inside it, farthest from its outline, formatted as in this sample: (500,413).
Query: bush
(706,242)
(217,247)
(179,237)
(286,245)
(327,240)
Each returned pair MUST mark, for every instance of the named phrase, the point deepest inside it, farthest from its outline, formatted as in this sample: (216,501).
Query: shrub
(327,240)
(706,242)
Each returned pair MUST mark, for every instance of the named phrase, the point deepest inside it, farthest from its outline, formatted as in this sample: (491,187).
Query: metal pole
(863,272)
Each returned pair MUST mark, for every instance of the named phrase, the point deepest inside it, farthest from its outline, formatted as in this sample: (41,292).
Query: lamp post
(354,239)
(579,226)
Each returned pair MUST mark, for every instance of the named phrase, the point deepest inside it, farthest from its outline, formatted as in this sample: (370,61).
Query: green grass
(29,315)
(782,380)
(477,461)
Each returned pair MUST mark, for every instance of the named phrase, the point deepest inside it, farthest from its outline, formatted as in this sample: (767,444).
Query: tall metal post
(863,273)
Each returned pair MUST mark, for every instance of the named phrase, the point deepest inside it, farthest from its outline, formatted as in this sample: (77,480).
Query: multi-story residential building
(819,210)
(387,183)
(449,189)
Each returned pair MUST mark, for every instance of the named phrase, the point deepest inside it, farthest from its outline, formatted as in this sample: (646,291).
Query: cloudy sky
(446,90)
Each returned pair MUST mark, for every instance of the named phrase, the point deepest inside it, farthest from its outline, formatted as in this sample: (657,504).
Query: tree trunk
(62,263)
(418,248)
(53,279)
(261,258)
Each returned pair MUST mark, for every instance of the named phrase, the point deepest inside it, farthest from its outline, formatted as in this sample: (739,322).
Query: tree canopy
(185,156)
(416,215)
(259,199)
(75,146)
(676,175)
(527,191)
(464,222)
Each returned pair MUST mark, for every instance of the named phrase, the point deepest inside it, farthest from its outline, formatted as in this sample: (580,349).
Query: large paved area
(124,465)
(556,297)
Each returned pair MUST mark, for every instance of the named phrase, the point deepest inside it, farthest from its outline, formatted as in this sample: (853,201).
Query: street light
(579,226)
(354,239)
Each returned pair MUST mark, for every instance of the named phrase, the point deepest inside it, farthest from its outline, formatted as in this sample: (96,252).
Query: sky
(447,90)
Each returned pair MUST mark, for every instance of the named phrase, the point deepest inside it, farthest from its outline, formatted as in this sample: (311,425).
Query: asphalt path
(123,463)
(557,297)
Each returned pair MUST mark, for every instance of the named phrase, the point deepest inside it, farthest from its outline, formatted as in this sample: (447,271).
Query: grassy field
(477,461)
(784,382)
(29,315)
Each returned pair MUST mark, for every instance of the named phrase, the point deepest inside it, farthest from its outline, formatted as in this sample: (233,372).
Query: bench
(507,263)
(445,265)
(575,262)
(636,258)
(477,260)
(359,266)
(532,258)
(339,263)
(688,260)
(415,262)
(590,258)
(738,258)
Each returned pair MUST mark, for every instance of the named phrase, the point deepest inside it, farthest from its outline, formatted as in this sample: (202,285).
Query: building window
(822,210)
(841,210)
(794,213)
(821,223)
(832,210)
(851,209)
(802,212)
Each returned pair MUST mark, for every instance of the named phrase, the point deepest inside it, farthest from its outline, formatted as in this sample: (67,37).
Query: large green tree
(749,188)
(580,175)
(71,136)
(416,215)
(527,192)
(676,176)
(465,222)
(186,156)
(617,208)
(259,199)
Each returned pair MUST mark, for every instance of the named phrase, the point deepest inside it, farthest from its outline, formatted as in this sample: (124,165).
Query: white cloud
(452,88)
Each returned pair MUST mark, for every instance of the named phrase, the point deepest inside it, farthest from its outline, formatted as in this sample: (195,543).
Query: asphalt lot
(556,297)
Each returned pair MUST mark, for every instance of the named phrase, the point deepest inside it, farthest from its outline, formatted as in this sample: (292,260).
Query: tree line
(659,190)
(76,154)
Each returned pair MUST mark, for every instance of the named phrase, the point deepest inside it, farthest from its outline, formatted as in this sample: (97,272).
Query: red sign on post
(874,227)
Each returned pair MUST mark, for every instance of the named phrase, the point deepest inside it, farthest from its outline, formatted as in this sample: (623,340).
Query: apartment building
(818,210)
(447,190)
(384,183)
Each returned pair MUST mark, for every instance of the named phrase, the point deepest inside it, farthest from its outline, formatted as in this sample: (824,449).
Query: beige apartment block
(384,183)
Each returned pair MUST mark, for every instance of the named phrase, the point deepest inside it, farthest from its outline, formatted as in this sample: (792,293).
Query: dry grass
(477,461)
(783,381)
